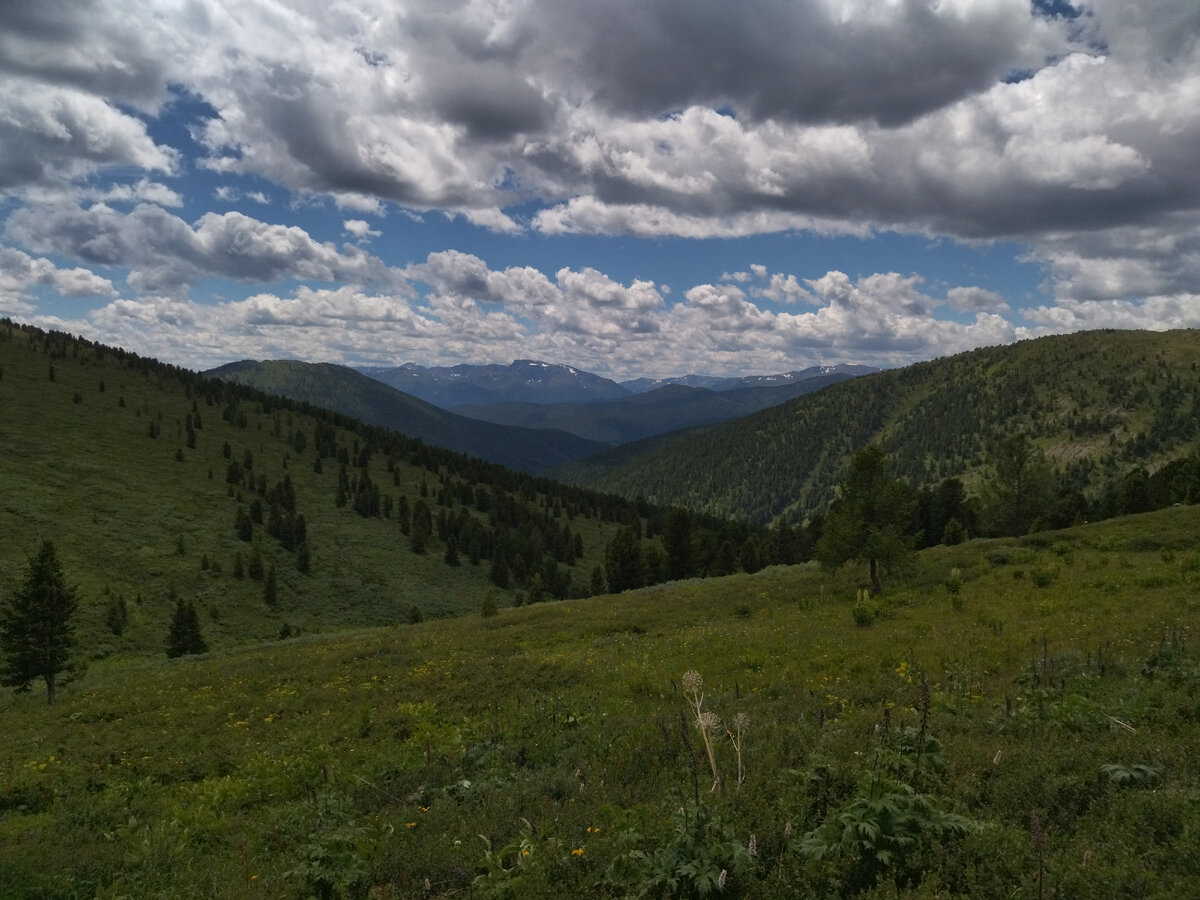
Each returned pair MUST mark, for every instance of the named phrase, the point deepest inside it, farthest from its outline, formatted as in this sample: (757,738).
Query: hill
(670,408)
(1101,405)
(369,400)
(1017,717)
(156,482)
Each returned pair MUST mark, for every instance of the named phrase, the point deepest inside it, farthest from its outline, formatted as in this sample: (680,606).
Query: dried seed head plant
(706,720)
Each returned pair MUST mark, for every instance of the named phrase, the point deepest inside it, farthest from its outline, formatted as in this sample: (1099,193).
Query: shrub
(702,857)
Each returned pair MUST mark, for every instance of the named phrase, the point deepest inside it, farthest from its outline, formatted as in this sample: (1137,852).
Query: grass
(370,762)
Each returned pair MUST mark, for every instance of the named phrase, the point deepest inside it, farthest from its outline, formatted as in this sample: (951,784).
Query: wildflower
(410,824)
(692,682)
(578,851)
(753,846)
(721,880)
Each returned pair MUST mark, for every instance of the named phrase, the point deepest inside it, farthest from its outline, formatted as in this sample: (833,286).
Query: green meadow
(1012,718)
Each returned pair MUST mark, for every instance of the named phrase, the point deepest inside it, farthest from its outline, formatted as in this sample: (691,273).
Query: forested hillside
(1102,406)
(159,485)
(274,517)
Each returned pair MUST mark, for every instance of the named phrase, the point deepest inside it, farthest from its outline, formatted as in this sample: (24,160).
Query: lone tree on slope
(184,636)
(868,520)
(36,628)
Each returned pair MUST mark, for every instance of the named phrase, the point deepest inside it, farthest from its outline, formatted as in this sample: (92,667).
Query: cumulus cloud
(361,229)
(976,299)
(21,274)
(165,254)
(50,135)
(983,120)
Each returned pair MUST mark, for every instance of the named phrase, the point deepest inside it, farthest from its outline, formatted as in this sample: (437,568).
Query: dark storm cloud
(793,60)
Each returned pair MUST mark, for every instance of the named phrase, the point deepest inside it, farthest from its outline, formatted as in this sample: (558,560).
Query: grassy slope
(374,759)
(117,502)
(1080,396)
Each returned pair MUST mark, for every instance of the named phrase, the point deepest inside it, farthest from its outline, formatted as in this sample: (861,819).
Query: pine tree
(36,631)
(184,636)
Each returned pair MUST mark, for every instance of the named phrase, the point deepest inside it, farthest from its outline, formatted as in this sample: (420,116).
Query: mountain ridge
(354,394)
(535,381)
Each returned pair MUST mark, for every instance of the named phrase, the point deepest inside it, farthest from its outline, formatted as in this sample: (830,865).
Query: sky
(632,187)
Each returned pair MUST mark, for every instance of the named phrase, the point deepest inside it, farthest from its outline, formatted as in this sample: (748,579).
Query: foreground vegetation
(1012,718)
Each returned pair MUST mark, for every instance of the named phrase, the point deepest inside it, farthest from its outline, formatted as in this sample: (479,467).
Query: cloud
(361,229)
(979,120)
(164,254)
(455,308)
(21,274)
(976,299)
(799,61)
(50,136)
(143,191)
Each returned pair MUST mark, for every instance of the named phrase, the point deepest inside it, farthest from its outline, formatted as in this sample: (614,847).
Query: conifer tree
(867,522)
(36,628)
(184,635)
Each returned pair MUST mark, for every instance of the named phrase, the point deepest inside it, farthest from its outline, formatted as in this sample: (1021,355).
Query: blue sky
(711,188)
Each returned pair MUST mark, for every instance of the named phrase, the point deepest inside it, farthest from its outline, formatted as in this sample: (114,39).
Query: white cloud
(51,135)
(164,254)
(21,274)
(361,229)
(691,120)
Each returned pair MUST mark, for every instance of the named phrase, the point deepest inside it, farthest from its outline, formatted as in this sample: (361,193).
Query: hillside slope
(141,473)
(1098,403)
(353,394)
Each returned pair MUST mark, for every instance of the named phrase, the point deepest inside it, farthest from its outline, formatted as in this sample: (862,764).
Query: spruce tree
(184,636)
(868,520)
(36,628)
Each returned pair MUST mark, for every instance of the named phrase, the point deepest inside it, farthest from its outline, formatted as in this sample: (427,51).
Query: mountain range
(567,414)
(533,381)
(346,391)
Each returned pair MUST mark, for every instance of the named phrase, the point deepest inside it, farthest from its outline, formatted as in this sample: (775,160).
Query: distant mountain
(354,394)
(643,415)
(532,381)
(522,381)
(715,383)
(1108,408)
